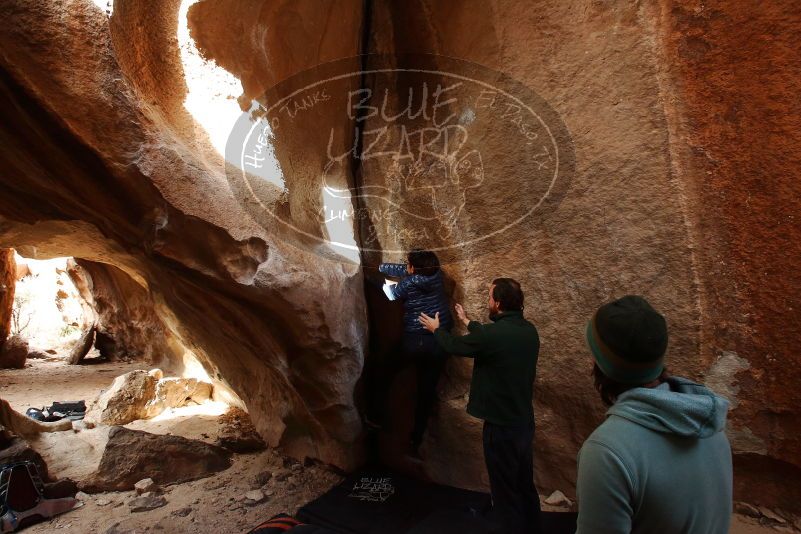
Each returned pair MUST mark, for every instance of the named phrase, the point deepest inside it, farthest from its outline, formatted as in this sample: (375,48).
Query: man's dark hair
(424,262)
(508,293)
(610,389)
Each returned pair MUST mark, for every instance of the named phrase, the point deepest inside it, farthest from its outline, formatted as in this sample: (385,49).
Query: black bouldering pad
(376,501)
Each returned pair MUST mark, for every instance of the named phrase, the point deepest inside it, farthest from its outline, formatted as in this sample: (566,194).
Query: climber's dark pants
(423,351)
(509,454)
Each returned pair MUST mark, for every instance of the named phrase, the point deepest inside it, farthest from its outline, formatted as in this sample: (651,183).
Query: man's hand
(462,315)
(430,324)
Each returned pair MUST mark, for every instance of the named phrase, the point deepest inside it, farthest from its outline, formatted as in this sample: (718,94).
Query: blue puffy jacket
(420,294)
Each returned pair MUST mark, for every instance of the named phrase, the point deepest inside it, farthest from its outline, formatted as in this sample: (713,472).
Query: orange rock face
(8,281)
(682,126)
(735,73)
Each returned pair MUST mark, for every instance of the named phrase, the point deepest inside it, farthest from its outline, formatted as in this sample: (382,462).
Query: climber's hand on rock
(462,315)
(429,323)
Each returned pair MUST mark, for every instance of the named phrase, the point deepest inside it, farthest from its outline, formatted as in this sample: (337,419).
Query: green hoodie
(659,464)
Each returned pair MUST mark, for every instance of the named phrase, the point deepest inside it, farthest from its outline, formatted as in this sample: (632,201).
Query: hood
(678,406)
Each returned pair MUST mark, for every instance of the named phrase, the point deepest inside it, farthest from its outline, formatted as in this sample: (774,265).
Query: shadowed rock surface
(126,323)
(132,455)
(685,129)
(125,184)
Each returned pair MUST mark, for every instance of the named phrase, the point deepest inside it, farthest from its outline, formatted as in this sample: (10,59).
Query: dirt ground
(216,504)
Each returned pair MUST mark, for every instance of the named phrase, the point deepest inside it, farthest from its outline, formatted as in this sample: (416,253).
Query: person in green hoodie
(505,354)
(661,461)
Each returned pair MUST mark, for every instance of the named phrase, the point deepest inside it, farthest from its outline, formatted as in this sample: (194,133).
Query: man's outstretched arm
(468,345)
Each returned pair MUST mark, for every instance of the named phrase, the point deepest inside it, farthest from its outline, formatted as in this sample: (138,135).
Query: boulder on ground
(557,498)
(82,346)
(13,353)
(36,354)
(128,399)
(238,433)
(132,455)
(175,392)
(146,485)
(144,503)
(254,497)
(142,395)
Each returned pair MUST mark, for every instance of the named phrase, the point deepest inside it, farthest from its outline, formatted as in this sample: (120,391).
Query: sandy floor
(216,504)
(46,380)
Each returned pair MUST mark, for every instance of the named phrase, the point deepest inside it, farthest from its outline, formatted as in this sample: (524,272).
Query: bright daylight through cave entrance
(400,267)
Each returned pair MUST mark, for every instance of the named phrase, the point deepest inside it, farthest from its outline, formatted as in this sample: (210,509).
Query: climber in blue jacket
(422,290)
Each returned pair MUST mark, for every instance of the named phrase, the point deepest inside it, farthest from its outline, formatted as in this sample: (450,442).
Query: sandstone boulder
(143,394)
(127,324)
(238,433)
(14,353)
(132,455)
(173,392)
(129,398)
(557,498)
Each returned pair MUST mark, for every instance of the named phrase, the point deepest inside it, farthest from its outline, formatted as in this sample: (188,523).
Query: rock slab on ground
(557,498)
(143,503)
(133,455)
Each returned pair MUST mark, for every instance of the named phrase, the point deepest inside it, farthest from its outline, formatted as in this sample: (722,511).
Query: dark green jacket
(504,369)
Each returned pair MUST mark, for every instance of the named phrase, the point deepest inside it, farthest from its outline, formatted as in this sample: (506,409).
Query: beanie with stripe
(628,340)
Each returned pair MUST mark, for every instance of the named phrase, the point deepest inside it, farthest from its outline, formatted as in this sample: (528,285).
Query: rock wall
(97,168)
(621,226)
(684,188)
(733,71)
(8,281)
(127,326)
(663,201)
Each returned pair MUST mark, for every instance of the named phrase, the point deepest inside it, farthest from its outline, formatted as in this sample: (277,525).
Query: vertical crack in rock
(363,223)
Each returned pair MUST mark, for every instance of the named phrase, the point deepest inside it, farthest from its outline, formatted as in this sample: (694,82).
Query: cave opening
(74,326)
(48,310)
